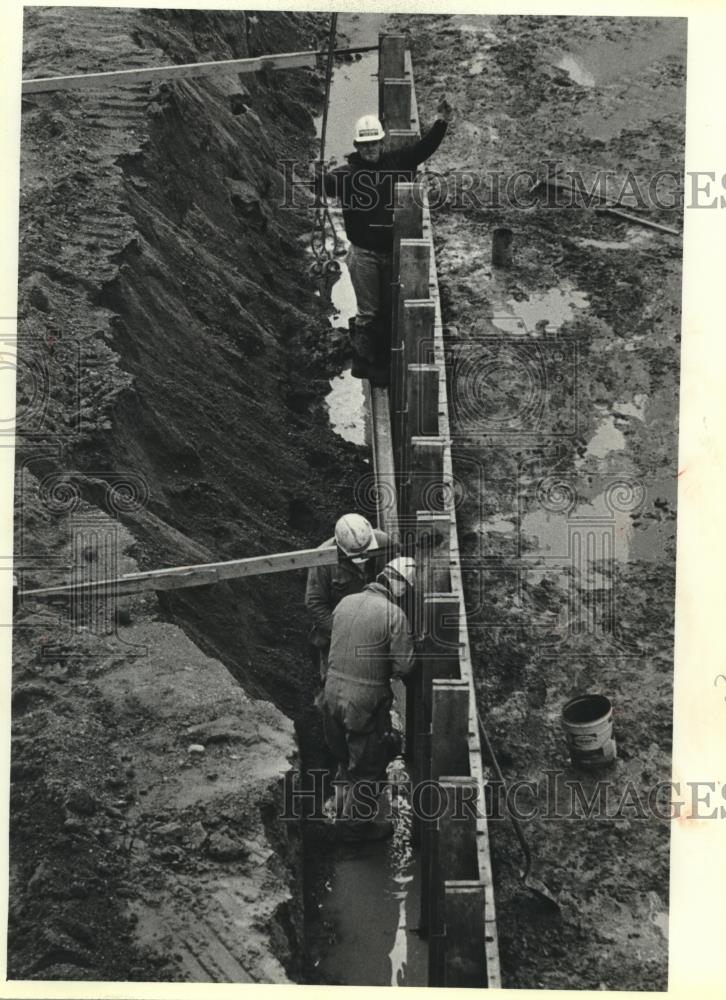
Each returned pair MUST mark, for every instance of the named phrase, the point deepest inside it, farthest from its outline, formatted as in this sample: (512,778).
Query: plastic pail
(588,724)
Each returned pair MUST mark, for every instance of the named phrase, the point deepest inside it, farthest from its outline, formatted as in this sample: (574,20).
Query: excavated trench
(163,288)
(197,409)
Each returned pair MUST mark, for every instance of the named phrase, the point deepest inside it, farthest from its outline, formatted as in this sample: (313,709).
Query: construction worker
(365,188)
(327,585)
(371,643)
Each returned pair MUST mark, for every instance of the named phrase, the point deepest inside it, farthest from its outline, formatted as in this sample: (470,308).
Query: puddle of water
(636,408)
(607,438)
(346,404)
(352,94)
(576,70)
(555,307)
(627,66)
(610,62)
(373,902)
(551,530)
(361,29)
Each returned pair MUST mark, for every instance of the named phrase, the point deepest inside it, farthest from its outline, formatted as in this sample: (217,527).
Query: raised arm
(412,155)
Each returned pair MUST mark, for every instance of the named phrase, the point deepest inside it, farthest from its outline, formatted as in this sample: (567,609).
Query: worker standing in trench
(365,187)
(371,642)
(355,537)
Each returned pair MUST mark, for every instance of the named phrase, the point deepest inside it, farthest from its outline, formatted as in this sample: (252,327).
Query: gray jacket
(370,643)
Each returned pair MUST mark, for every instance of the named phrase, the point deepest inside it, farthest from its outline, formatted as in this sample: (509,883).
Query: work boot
(363,830)
(362,342)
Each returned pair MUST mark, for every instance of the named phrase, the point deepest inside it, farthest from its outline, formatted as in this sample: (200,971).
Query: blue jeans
(371,273)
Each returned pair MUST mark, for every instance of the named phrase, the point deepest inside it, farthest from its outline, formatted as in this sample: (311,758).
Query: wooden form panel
(442,732)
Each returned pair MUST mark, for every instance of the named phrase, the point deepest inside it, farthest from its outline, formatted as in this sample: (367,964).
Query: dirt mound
(166,315)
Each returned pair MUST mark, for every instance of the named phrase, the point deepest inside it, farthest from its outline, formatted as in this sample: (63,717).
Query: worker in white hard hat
(355,537)
(365,188)
(371,643)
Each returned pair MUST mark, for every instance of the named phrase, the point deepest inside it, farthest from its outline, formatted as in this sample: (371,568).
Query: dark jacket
(365,190)
(327,585)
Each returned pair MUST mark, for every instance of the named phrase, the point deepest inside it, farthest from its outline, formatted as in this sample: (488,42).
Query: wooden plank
(391,55)
(415,264)
(485,871)
(419,416)
(416,320)
(465,934)
(426,490)
(391,63)
(398,138)
(434,566)
(179,577)
(397,104)
(422,395)
(408,211)
(454,857)
(449,727)
(184,71)
(383,465)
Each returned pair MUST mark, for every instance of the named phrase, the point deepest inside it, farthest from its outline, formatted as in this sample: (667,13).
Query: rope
(322,218)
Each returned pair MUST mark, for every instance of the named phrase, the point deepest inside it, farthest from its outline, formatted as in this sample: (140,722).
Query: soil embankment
(564,384)
(164,302)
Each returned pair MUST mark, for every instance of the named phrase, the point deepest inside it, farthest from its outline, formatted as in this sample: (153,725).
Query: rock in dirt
(197,836)
(74,826)
(40,878)
(222,730)
(79,800)
(222,847)
(170,830)
(196,749)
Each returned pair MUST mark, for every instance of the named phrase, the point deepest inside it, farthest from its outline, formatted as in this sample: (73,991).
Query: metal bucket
(588,724)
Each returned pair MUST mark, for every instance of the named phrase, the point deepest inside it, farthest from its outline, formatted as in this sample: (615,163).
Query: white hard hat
(354,535)
(401,568)
(368,129)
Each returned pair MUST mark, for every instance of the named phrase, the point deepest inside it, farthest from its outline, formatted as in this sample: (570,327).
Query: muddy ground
(564,390)
(171,411)
(165,306)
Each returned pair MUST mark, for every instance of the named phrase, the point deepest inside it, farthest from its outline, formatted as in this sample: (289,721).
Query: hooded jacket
(370,643)
(365,190)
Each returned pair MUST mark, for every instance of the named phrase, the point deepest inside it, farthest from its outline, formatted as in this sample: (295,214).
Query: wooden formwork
(442,738)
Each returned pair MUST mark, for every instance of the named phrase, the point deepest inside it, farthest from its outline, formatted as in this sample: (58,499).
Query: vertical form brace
(391,64)
(426,486)
(438,562)
(417,319)
(452,856)
(465,934)
(398,138)
(449,728)
(421,415)
(414,268)
(397,104)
